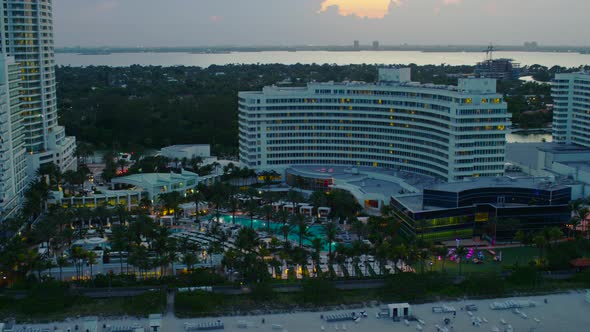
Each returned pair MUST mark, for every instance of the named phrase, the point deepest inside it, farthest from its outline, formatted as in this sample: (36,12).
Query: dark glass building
(493,207)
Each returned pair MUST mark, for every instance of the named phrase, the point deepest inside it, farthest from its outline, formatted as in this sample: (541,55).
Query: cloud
(375,9)
(106,6)
(452,2)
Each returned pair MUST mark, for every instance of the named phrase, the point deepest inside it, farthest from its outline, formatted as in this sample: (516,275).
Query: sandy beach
(562,312)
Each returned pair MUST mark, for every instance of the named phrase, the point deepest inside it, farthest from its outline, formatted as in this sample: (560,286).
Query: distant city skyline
(152,23)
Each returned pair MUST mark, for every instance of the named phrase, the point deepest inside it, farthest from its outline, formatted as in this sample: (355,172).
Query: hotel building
(446,132)
(12,148)
(571,113)
(27,35)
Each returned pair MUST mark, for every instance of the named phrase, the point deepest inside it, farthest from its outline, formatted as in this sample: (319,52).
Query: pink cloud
(375,9)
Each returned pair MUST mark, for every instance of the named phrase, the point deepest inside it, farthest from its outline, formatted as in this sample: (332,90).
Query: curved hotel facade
(447,132)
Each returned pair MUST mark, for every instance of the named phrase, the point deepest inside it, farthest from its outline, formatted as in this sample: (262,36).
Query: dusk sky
(319,22)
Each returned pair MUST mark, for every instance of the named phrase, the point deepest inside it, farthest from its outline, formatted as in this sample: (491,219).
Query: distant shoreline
(236,49)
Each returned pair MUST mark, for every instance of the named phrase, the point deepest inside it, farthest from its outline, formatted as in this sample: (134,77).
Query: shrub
(198,302)
(484,284)
(318,291)
(262,292)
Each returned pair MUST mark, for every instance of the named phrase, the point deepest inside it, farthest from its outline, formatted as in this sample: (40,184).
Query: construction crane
(489,53)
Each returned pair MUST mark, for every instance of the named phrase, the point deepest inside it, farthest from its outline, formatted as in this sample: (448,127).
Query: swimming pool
(316,231)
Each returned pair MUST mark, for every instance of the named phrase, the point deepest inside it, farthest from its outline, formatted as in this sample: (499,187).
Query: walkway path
(169,321)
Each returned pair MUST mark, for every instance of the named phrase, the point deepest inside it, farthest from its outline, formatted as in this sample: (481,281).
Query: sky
(152,23)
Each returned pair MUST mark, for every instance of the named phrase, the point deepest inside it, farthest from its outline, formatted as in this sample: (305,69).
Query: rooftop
(371,176)
(578,165)
(523,153)
(563,148)
(154,179)
(503,182)
(182,146)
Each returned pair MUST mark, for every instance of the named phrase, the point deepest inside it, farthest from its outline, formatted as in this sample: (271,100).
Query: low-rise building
(470,208)
(187,151)
(154,184)
(565,163)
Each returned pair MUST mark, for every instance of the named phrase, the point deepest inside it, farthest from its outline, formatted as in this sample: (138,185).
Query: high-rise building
(376,45)
(571,110)
(27,35)
(12,146)
(500,69)
(356,44)
(449,132)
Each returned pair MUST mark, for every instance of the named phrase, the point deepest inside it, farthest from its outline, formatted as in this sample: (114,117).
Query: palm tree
(540,242)
(330,233)
(400,253)
(461,253)
(78,255)
(197,197)
(267,212)
(317,199)
(233,207)
(317,245)
(190,259)
(170,202)
(101,213)
(579,214)
(294,197)
(442,253)
(252,209)
(282,216)
(358,227)
(286,230)
(35,199)
(61,262)
(91,257)
(553,234)
(145,203)
(120,241)
(161,246)
(302,228)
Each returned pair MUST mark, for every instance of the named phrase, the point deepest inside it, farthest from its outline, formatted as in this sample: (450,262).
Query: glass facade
(309,182)
(530,208)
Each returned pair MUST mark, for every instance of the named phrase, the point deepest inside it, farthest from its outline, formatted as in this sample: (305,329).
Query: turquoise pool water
(316,231)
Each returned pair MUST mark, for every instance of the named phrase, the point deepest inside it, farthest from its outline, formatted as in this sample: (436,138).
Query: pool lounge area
(316,231)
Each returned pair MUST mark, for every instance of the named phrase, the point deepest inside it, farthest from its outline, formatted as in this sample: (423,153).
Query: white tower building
(12,145)
(450,132)
(27,35)
(571,111)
